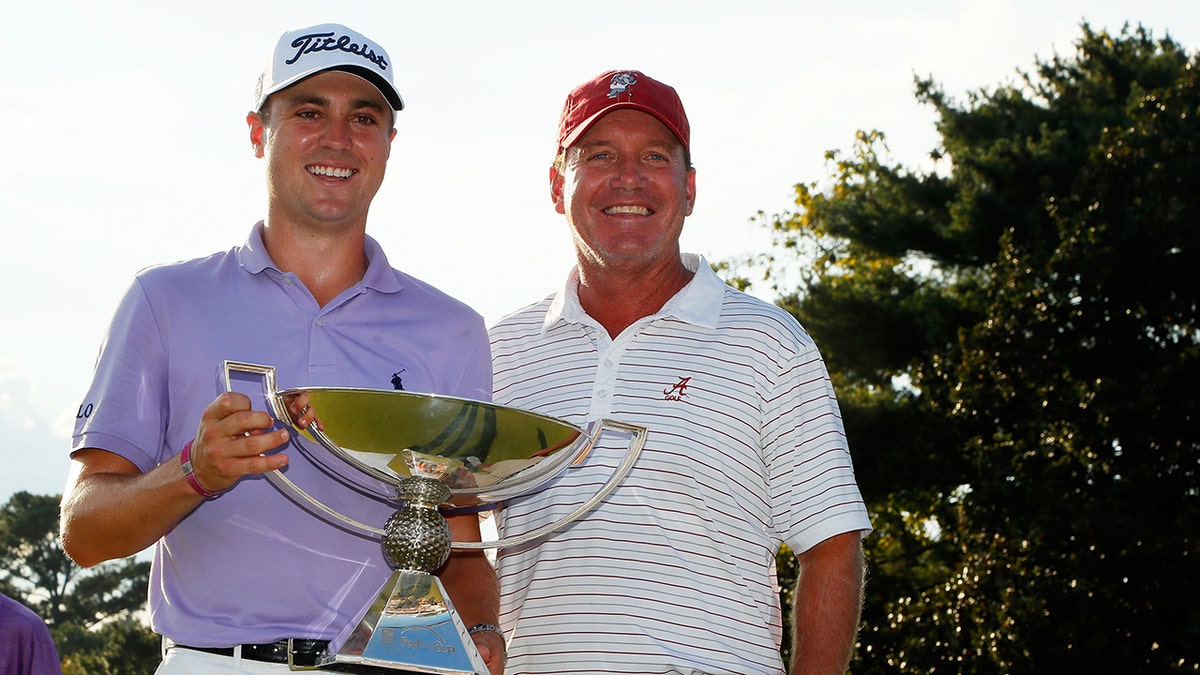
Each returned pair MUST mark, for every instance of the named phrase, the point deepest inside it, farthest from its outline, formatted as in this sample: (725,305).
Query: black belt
(292,651)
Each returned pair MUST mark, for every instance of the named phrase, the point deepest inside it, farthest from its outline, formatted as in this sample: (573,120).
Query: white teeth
(330,171)
(636,210)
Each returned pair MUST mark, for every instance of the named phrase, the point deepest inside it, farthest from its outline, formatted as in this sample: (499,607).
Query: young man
(241,574)
(673,572)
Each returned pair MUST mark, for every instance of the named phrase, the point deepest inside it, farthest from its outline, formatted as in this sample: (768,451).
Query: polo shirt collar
(253,257)
(699,302)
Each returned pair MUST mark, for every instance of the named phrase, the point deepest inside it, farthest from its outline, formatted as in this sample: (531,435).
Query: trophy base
(410,628)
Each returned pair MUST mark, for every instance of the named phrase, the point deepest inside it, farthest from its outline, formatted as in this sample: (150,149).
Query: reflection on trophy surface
(437,453)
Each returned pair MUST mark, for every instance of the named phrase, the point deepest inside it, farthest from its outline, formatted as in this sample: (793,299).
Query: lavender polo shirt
(252,566)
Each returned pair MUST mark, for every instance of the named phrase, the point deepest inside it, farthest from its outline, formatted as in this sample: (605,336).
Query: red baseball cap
(621,89)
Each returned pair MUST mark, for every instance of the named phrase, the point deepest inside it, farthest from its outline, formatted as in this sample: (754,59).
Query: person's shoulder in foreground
(26,647)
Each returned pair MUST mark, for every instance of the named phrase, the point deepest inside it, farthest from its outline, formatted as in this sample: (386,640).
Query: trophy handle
(636,442)
(275,476)
(268,383)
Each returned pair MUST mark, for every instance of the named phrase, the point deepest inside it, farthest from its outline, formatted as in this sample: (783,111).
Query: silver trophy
(435,452)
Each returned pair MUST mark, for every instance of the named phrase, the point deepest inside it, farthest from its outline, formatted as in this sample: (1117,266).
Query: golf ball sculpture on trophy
(436,453)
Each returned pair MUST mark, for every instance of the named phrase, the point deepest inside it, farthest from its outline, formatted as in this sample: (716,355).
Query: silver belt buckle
(291,651)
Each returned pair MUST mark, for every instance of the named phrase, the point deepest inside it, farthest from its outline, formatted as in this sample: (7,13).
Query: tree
(90,612)
(124,646)
(1014,338)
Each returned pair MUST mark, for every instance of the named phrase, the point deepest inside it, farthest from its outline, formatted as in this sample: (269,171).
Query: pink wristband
(185,459)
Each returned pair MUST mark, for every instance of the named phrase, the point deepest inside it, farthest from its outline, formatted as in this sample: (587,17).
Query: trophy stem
(412,626)
(417,538)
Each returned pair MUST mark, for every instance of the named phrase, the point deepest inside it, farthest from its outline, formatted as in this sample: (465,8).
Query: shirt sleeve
(125,409)
(810,473)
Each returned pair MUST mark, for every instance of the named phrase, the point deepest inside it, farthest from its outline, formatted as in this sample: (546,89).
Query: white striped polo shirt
(675,571)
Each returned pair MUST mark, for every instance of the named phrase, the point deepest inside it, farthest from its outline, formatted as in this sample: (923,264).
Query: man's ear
(556,190)
(690,193)
(257,131)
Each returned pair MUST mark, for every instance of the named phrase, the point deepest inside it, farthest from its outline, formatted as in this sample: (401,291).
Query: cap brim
(587,124)
(390,94)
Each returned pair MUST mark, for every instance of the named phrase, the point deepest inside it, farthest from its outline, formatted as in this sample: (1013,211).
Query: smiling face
(326,140)
(625,189)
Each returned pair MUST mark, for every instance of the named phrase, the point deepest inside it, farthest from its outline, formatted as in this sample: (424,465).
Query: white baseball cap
(328,46)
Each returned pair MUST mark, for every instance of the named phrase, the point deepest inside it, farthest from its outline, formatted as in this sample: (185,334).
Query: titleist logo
(325,42)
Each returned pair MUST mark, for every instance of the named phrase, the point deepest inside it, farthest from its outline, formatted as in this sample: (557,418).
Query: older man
(674,572)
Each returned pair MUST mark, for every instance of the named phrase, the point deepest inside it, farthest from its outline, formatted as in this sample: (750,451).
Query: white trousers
(177,661)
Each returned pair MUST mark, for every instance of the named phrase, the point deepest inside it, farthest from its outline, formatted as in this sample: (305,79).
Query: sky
(126,143)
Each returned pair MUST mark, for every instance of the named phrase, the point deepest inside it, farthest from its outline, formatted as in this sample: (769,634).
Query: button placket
(605,384)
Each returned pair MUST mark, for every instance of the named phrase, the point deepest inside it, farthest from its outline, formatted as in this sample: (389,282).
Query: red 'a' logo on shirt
(677,391)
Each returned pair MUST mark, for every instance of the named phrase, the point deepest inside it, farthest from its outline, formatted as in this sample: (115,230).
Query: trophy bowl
(436,453)
(482,452)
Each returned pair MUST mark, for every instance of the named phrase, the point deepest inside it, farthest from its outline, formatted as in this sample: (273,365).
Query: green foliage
(90,612)
(122,647)
(1014,337)
(787,568)
(33,564)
